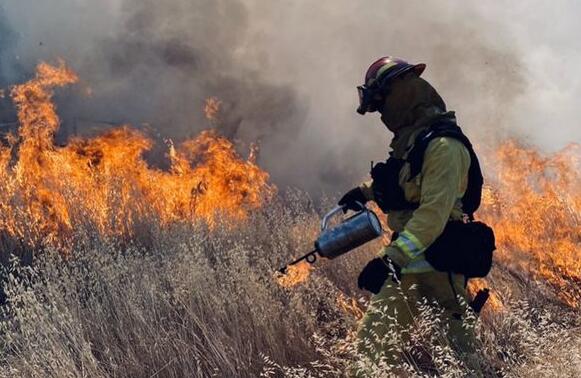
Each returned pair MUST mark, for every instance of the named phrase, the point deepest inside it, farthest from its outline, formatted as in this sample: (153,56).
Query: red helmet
(377,77)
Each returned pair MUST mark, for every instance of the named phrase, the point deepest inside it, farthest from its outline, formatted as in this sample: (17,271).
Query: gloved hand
(350,199)
(375,273)
(396,255)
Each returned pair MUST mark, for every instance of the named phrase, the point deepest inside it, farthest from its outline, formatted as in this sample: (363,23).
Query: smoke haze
(286,71)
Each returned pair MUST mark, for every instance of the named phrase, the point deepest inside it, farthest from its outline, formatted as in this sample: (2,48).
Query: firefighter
(400,276)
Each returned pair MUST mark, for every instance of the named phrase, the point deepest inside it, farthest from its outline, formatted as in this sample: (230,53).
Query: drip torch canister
(351,233)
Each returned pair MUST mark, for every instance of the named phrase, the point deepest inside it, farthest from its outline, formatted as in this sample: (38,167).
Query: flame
(295,274)
(534,206)
(212,107)
(533,201)
(350,306)
(493,303)
(106,182)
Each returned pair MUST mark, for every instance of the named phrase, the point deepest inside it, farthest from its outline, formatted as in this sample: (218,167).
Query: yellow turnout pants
(393,313)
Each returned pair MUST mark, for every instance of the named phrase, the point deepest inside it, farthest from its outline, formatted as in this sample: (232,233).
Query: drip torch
(352,232)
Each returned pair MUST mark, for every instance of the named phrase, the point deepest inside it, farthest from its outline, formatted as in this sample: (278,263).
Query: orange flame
(295,274)
(493,303)
(534,206)
(106,182)
(350,306)
(533,201)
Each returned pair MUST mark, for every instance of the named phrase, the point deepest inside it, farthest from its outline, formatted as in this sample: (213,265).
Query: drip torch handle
(336,210)
(329,215)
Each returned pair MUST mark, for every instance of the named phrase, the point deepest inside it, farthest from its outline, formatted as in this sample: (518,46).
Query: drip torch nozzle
(310,257)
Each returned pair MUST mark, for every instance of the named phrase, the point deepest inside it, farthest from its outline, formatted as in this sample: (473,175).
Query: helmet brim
(419,68)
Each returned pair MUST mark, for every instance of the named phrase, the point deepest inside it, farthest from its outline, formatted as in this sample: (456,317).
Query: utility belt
(463,248)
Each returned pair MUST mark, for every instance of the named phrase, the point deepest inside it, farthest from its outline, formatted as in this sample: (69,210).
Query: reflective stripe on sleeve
(409,244)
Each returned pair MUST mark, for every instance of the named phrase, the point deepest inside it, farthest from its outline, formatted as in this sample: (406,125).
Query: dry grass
(183,301)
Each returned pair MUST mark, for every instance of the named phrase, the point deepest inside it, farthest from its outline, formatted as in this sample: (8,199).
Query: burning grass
(142,272)
(189,302)
(534,206)
(106,181)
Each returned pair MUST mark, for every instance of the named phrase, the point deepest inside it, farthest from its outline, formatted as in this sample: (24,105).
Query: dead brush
(186,301)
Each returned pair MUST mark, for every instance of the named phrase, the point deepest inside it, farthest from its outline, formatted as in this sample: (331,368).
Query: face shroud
(377,78)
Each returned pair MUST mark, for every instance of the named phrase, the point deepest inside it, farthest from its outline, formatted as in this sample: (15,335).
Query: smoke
(286,71)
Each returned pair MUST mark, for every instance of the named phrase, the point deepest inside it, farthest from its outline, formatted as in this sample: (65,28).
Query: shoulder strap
(448,128)
(444,128)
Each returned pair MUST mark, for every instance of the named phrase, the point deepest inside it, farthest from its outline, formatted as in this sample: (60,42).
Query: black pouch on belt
(463,248)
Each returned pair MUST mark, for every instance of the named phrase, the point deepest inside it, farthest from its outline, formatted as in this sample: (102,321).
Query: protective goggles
(367,100)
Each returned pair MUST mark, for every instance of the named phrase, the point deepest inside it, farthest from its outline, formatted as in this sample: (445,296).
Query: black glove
(374,275)
(350,199)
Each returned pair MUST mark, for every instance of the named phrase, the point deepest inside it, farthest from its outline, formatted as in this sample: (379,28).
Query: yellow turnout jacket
(438,189)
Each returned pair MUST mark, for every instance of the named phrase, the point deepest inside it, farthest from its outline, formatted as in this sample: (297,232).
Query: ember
(212,108)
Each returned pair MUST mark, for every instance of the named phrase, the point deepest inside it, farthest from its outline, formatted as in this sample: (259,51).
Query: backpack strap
(444,128)
(448,128)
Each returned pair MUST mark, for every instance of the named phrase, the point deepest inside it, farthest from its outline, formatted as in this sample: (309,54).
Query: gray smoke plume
(286,71)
